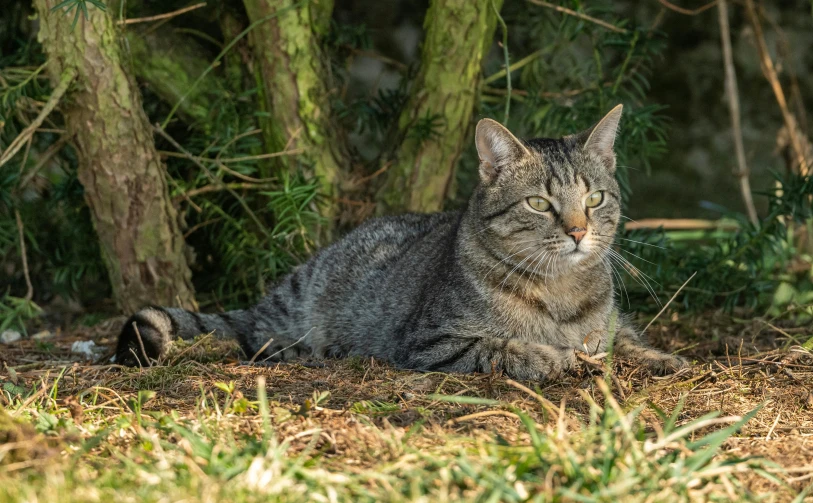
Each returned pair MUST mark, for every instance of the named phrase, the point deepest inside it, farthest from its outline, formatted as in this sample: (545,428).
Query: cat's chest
(564,321)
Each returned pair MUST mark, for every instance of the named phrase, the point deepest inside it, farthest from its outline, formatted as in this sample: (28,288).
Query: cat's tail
(152,329)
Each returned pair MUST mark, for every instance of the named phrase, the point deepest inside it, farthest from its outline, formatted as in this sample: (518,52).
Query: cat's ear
(497,148)
(600,138)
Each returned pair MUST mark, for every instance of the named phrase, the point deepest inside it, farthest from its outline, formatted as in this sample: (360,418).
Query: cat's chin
(577,257)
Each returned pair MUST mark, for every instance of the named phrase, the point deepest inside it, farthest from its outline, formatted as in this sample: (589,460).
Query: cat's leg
(629,344)
(516,358)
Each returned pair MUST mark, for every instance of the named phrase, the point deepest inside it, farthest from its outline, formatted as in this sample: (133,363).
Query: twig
(734,109)
(141,344)
(160,130)
(294,151)
(259,351)
(585,17)
(184,196)
(688,12)
(25,155)
(290,346)
(374,55)
(162,16)
(769,71)
(216,188)
(507,60)
(516,66)
(43,160)
(477,415)
(64,83)
(770,432)
(201,225)
(667,304)
(223,53)
(681,224)
(547,404)
(29,294)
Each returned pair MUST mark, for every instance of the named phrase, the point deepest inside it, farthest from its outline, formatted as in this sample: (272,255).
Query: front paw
(536,362)
(664,364)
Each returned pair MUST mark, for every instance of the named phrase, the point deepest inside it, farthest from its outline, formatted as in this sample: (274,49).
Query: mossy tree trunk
(442,100)
(291,74)
(122,174)
(169,63)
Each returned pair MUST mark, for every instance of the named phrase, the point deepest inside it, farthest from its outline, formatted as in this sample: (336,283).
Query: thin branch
(220,187)
(294,151)
(222,53)
(477,415)
(220,163)
(43,160)
(141,345)
(25,155)
(380,57)
(673,296)
(162,16)
(15,146)
(506,58)
(29,294)
(160,130)
(585,17)
(688,12)
(200,226)
(516,66)
(681,224)
(734,109)
(769,71)
(568,93)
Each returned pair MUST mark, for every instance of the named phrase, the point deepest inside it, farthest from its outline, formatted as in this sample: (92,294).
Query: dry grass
(197,429)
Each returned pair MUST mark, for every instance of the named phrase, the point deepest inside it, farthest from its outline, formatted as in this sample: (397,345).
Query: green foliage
(568,73)
(248,221)
(743,267)
(80,6)
(608,455)
(16,311)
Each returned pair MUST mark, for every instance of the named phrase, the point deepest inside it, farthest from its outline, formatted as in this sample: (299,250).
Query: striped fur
(498,285)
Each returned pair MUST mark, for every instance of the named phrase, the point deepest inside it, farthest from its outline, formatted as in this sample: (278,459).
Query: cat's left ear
(601,137)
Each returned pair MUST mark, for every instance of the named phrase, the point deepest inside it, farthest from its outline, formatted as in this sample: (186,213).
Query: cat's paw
(664,364)
(284,352)
(537,362)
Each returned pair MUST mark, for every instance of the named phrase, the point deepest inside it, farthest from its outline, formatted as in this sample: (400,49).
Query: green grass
(230,448)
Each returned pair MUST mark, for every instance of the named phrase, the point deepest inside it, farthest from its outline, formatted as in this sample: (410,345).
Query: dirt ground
(739,366)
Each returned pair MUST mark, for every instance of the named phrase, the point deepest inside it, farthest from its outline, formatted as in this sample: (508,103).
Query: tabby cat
(517,281)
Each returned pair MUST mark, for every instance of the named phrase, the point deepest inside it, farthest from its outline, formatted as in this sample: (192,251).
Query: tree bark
(458,35)
(291,74)
(169,64)
(122,174)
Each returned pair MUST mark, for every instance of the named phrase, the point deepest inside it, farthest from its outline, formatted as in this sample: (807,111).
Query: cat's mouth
(576,254)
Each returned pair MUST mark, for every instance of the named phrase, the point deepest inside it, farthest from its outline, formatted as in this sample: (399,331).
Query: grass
(732,428)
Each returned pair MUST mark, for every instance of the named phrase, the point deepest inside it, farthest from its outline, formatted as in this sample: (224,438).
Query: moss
(119,168)
(170,64)
(458,33)
(291,72)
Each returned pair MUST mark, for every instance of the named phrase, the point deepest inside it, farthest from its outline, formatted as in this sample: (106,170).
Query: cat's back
(364,283)
(384,240)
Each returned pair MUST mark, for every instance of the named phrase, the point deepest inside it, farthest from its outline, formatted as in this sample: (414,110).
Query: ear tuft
(601,137)
(497,148)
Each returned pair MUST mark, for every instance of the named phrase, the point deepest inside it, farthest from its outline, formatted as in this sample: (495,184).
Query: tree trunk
(436,120)
(291,75)
(123,177)
(169,63)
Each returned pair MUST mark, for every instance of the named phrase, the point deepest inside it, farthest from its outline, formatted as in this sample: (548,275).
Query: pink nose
(577,233)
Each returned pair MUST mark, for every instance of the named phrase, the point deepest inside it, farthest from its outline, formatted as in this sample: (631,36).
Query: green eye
(594,199)
(539,203)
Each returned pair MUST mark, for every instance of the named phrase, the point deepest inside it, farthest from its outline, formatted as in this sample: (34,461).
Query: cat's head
(548,201)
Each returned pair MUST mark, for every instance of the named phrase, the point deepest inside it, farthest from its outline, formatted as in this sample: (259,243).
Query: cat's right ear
(497,148)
